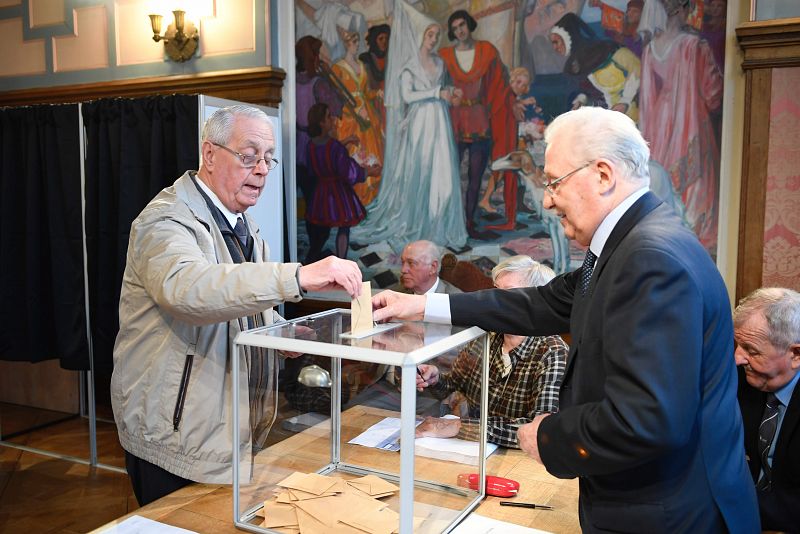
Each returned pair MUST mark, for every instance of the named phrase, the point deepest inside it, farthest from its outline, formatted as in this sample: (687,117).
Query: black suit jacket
(648,419)
(780,506)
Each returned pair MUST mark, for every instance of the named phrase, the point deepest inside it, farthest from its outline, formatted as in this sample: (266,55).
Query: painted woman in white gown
(420,191)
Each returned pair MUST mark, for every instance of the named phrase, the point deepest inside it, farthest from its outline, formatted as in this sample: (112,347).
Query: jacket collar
(646,203)
(187,191)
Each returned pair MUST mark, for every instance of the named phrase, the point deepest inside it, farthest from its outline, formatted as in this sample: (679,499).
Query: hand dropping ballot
(361,323)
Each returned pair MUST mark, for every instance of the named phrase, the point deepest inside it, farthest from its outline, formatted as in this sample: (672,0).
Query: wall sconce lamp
(180,39)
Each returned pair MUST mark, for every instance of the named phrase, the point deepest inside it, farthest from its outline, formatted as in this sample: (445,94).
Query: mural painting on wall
(424,119)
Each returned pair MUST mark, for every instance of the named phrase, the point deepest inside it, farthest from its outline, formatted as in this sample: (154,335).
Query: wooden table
(209,507)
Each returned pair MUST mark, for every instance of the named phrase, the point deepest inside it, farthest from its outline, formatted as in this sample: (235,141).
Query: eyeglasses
(552,185)
(250,161)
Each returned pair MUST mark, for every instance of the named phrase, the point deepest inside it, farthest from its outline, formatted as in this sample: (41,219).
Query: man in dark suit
(648,418)
(767,333)
(419,272)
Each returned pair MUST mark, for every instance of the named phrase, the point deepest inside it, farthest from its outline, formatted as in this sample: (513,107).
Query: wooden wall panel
(766,45)
(42,385)
(260,85)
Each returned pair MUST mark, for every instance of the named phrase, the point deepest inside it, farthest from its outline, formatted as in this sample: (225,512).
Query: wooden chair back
(464,275)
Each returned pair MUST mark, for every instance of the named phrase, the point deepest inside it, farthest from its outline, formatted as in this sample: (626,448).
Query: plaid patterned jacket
(531,388)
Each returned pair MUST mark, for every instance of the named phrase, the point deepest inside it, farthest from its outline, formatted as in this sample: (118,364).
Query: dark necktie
(241,232)
(586,270)
(766,433)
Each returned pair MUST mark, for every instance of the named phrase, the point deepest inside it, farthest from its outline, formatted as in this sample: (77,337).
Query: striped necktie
(766,433)
(241,232)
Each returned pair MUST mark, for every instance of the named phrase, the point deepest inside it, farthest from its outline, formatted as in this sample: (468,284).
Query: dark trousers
(149,481)
(478,159)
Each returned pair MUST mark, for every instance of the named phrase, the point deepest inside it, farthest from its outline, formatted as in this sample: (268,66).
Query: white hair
(533,273)
(780,307)
(428,250)
(219,126)
(594,133)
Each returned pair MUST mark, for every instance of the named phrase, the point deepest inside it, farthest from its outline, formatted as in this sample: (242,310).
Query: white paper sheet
(137,524)
(385,435)
(478,524)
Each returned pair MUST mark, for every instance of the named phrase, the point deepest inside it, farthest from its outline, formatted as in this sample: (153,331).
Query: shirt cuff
(437,308)
(300,291)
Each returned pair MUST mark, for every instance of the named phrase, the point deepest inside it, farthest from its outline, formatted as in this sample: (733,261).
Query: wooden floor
(41,494)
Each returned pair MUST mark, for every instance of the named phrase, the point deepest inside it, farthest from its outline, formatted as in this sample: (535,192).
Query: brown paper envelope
(286,530)
(382,495)
(383,521)
(376,484)
(310,482)
(279,515)
(297,495)
(356,490)
(310,525)
(283,497)
(325,509)
(357,500)
(361,311)
(338,486)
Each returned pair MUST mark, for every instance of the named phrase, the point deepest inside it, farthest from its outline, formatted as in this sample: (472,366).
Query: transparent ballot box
(351,462)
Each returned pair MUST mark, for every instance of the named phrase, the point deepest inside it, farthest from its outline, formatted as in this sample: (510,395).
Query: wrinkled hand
(429,376)
(622,108)
(527,437)
(435,427)
(329,274)
(392,305)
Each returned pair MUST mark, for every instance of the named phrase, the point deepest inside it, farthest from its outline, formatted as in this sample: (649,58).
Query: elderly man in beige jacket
(197,274)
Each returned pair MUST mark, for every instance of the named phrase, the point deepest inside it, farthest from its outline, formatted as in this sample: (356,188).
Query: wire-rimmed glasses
(551,186)
(250,161)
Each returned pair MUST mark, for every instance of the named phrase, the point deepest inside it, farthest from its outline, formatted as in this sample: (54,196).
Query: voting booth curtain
(134,148)
(43,314)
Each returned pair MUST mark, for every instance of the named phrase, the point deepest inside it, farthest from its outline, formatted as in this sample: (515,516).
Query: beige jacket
(181,306)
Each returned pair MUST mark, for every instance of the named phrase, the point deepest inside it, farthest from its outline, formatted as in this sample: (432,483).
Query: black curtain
(135,148)
(43,313)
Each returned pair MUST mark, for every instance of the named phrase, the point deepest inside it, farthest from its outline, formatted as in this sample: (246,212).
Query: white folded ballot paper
(385,435)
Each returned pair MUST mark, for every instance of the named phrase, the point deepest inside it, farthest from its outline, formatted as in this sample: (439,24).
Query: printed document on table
(386,435)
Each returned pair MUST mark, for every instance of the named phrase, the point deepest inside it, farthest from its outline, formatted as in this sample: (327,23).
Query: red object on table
(495,486)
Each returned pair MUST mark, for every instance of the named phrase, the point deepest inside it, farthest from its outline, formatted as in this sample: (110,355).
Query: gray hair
(428,249)
(533,273)
(595,133)
(219,126)
(781,309)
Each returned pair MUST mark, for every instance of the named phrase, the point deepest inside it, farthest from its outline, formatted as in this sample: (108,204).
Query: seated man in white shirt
(419,273)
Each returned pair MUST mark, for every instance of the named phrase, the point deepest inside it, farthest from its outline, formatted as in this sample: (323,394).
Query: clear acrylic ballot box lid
(341,453)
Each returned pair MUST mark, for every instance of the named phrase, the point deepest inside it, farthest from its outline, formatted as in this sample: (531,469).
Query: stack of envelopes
(316,504)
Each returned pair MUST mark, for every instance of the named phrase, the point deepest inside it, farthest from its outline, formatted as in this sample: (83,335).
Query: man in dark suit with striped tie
(767,332)
(648,419)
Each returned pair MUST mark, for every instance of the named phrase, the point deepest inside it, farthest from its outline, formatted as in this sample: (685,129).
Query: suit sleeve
(532,311)
(651,345)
